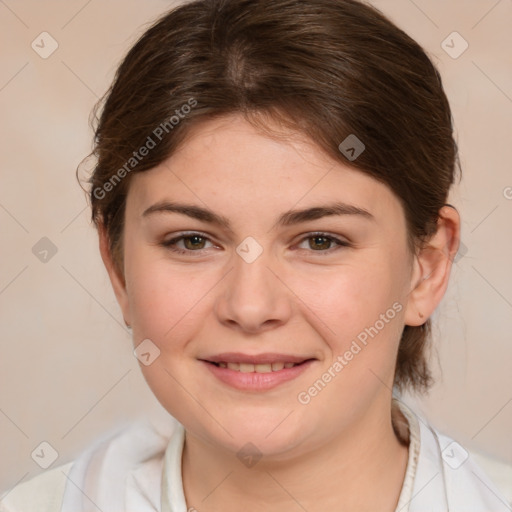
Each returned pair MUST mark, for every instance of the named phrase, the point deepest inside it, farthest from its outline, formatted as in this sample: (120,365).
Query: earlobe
(116,278)
(432,267)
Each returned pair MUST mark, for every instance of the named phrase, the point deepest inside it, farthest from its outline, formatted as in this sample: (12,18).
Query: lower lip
(253,381)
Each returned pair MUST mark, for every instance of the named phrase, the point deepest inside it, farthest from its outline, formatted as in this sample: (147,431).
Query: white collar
(141,466)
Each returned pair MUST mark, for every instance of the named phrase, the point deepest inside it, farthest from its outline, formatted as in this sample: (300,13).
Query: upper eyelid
(188,234)
(305,236)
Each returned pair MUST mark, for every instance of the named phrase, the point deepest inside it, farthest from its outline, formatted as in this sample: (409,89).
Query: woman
(271,200)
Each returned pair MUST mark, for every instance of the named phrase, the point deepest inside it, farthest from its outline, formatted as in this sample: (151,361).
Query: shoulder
(451,476)
(469,485)
(42,493)
(498,471)
(123,461)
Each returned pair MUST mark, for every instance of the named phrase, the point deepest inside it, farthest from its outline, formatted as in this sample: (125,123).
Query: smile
(255,368)
(263,373)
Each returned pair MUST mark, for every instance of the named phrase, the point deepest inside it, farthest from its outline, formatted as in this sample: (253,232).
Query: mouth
(257,368)
(256,373)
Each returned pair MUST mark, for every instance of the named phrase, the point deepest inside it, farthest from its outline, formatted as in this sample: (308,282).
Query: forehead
(228,161)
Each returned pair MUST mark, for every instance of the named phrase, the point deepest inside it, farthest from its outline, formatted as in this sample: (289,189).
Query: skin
(301,296)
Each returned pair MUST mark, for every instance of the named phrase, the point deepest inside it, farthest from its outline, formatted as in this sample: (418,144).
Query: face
(252,280)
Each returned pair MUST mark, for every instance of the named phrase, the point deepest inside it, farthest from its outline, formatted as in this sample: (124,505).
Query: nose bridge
(254,296)
(251,275)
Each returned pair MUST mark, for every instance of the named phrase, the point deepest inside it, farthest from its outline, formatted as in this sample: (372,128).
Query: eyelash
(170,244)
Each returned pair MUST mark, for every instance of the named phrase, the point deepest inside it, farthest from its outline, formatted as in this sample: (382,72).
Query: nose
(254,297)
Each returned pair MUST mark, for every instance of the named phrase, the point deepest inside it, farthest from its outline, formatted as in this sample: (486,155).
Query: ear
(116,278)
(431,268)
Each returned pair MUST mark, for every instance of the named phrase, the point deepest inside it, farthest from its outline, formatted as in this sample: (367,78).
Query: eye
(195,242)
(322,242)
(192,242)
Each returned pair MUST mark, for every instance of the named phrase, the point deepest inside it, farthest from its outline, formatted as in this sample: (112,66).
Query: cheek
(347,299)
(163,298)
(167,305)
(170,302)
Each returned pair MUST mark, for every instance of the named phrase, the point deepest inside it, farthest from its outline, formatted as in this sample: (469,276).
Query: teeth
(263,368)
(256,368)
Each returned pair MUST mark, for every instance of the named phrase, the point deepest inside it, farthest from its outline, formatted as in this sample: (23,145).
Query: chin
(254,437)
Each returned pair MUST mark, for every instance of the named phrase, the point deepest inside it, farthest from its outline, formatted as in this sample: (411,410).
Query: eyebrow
(288,218)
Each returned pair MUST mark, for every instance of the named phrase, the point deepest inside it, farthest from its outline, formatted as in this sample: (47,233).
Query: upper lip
(266,358)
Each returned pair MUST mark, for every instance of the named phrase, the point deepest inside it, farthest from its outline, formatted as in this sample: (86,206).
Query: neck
(334,476)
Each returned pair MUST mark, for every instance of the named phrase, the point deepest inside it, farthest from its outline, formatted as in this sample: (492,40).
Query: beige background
(67,372)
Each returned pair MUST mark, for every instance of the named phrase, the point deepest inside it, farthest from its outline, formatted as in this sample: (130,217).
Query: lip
(265,358)
(254,381)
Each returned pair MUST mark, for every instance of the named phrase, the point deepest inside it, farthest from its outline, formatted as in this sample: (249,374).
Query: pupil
(326,241)
(195,239)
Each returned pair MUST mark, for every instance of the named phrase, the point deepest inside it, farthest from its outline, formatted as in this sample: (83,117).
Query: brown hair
(325,68)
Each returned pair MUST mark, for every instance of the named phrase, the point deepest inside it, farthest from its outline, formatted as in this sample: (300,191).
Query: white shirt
(138,469)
